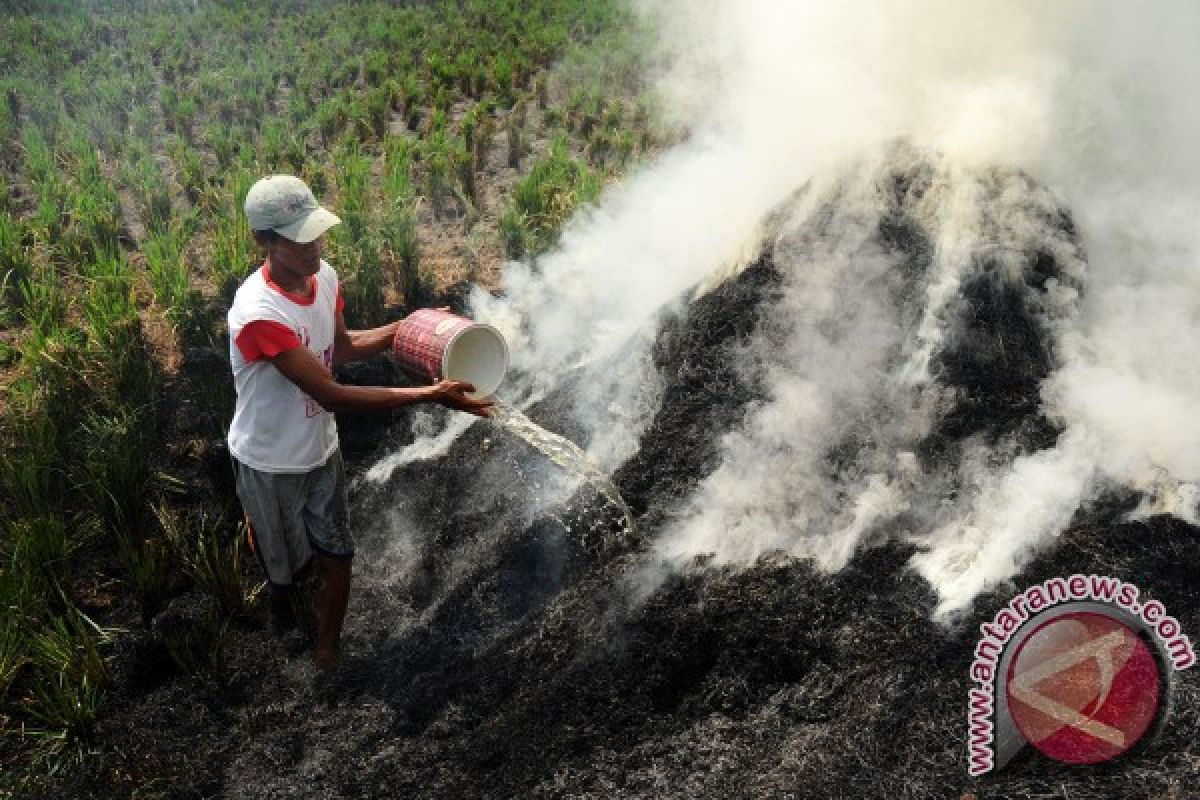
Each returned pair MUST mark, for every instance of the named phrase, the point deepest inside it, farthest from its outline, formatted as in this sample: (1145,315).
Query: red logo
(1083,688)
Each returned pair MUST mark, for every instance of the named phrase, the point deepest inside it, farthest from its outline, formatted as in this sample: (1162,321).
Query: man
(286,332)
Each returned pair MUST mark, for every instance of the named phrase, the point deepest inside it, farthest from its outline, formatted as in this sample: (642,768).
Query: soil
(495,652)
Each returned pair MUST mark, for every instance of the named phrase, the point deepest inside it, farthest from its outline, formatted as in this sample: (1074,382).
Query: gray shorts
(293,515)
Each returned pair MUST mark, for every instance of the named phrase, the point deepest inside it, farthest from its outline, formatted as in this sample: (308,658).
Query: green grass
(399,221)
(129,135)
(70,646)
(12,654)
(31,477)
(164,253)
(148,567)
(113,474)
(68,710)
(233,250)
(36,556)
(118,368)
(68,675)
(211,555)
(16,258)
(150,185)
(544,199)
(200,651)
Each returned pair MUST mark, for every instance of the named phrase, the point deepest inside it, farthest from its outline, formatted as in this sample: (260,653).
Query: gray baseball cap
(285,204)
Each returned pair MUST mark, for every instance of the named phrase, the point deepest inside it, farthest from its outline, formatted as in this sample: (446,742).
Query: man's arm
(304,369)
(357,345)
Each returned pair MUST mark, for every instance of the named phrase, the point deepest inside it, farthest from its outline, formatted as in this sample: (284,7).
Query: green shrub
(299,109)
(361,270)
(69,646)
(199,651)
(16,258)
(149,570)
(36,556)
(354,172)
(410,99)
(223,141)
(94,229)
(113,473)
(555,187)
(212,556)
(332,117)
(399,223)
(118,368)
(68,708)
(49,185)
(436,169)
(484,131)
(401,238)
(141,123)
(514,127)
(39,161)
(155,194)
(375,67)
(369,112)
(502,78)
(233,252)
(514,232)
(12,652)
(69,673)
(397,159)
(164,253)
(30,472)
(192,174)
(583,109)
(279,148)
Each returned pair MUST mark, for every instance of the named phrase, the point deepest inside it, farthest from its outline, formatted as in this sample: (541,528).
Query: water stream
(565,453)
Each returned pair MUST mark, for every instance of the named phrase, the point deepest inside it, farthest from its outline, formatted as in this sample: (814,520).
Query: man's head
(285,204)
(288,222)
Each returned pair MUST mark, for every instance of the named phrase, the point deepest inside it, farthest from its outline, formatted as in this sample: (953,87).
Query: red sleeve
(265,338)
(341,303)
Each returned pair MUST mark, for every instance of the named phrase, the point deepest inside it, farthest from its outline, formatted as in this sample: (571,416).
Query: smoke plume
(1016,109)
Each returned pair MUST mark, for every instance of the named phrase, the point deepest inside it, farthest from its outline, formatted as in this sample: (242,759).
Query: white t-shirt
(277,427)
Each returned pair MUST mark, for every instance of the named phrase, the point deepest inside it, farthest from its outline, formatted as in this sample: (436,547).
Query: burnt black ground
(496,652)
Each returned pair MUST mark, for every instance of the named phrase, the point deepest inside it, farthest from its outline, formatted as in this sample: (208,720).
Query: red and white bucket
(433,344)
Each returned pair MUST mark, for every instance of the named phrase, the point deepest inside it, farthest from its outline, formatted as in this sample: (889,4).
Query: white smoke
(1092,98)
(430,441)
(1014,512)
(596,301)
(846,376)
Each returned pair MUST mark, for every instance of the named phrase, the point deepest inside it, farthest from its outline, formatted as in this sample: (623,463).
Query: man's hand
(453,394)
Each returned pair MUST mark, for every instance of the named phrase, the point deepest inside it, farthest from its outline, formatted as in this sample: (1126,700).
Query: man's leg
(329,533)
(282,615)
(272,517)
(332,598)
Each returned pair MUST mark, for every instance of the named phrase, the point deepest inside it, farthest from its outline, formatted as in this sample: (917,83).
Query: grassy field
(448,136)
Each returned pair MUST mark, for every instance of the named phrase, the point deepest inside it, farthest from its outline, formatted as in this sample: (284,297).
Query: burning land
(799,398)
(513,638)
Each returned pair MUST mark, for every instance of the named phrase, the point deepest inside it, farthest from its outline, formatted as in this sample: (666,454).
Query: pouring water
(564,453)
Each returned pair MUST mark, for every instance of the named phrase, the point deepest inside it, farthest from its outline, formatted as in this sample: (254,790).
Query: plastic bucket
(432,345)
